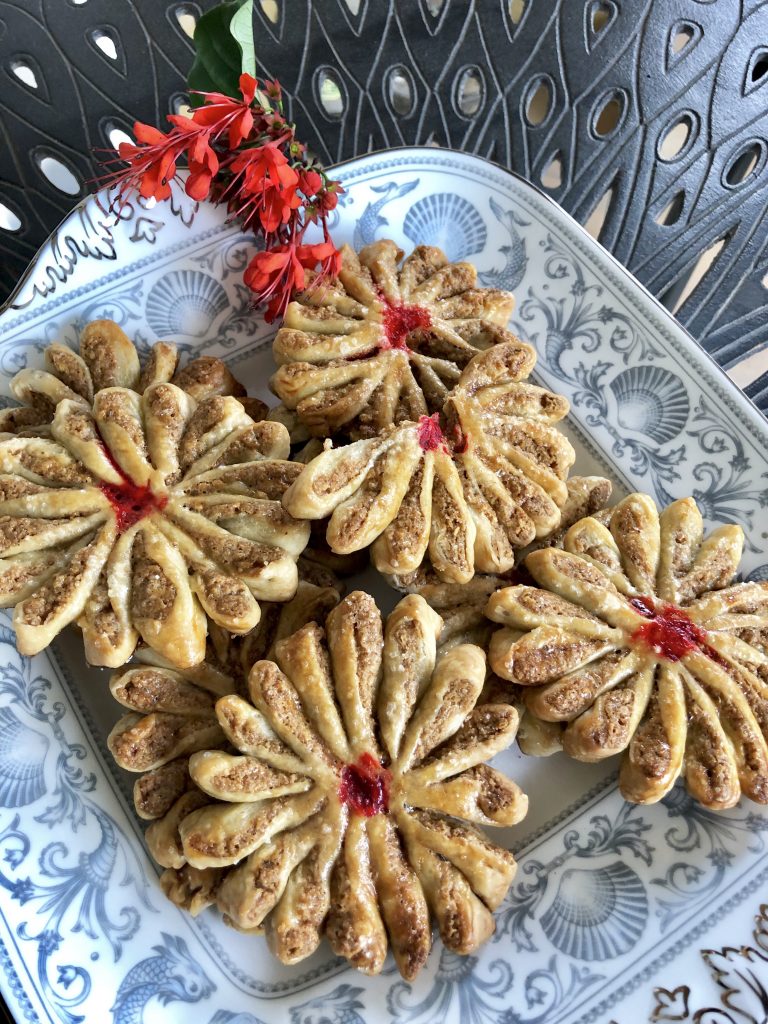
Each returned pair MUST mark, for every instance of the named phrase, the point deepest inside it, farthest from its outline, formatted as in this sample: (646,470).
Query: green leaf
(218,57)
(241,28)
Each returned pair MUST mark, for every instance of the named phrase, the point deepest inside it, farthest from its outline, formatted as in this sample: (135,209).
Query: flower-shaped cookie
(108,358)
(641,642)
(386,341)
(141,515)
(351,803)
(172,716)
(468,487)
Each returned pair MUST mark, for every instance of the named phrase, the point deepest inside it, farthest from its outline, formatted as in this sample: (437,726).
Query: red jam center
(129,502)
(669,631)
(364,786)
(399,321)
(431,436)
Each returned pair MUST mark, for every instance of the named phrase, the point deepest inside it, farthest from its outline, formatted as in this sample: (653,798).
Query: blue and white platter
(618,913)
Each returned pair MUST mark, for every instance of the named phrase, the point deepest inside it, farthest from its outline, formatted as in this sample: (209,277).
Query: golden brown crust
(144,514)
(385,341)
(639,642)
(345,808)
(174,711)
(109,359)
(464,489)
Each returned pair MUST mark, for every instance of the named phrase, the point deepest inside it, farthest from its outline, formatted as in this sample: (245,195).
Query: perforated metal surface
(645,119)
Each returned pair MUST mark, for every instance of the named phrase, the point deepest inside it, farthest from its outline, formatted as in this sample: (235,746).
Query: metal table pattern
(646,119)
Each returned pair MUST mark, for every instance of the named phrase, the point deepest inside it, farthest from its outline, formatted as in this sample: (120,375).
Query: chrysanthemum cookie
(139,516)
(386,341)
(108,358)
(467,487)
(350,806)
(639,639)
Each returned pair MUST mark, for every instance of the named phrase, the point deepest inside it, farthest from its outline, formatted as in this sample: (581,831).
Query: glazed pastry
(587,495)
(141,516)
(639,641)
(462,609)
(108,358)
(172,711)
(467,487)
(350,806)
(385,342)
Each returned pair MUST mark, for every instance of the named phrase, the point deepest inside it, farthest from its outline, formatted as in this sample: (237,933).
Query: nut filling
(638,641)
(142,511)
(464,488)
(345,794)
(384,342)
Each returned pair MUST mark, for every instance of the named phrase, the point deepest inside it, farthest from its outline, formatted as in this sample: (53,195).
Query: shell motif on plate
(652,401)
(758,575)
(185,302)
(597,913)
(22,761)
(448,221)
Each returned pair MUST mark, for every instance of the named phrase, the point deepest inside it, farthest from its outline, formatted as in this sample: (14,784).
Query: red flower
(329,197)
(248,86)
(222,113)
(267,187)
(310,183)
(273,90)
(201,158)
(273,275)
(326,254)
(244,153)
(276,273)
(152,162)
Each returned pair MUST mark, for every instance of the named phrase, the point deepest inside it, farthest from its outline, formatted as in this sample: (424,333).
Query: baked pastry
(587,495)
(351,803)
(639,640)
(108,358)
(467,487)
(386,341)
(140,516)
(171,710)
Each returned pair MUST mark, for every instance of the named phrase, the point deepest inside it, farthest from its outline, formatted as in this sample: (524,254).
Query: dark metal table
(646,119)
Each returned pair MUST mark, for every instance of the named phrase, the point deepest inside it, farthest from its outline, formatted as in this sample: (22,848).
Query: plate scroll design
(91,232)
(583,339)
(610,842)
(91,891)
(714,841)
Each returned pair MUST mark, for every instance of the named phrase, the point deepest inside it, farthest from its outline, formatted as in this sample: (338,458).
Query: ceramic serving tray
(618,913)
